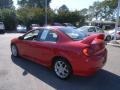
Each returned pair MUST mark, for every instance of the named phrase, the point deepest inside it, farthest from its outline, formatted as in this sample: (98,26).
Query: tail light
(87,51)
(101,36)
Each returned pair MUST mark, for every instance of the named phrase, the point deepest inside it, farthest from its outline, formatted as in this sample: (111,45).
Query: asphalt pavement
(22,74)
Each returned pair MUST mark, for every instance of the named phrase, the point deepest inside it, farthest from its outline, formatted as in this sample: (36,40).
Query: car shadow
(103,80)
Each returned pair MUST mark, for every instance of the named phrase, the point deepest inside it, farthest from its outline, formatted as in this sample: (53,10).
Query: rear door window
(48,35)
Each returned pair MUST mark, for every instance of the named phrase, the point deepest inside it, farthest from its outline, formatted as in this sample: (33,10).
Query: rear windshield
(73,33)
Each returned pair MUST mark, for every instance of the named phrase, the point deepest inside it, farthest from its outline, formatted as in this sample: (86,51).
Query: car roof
(56,28)
(51,27)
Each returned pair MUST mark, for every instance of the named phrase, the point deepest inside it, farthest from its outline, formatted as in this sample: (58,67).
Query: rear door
(43,49)
(99,30)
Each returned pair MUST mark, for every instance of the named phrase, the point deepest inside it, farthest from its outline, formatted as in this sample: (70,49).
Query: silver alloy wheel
(14,50)
(61,69)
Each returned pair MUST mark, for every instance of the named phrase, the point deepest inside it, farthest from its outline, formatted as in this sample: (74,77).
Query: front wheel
(14,50)
(62,69)
(108,38)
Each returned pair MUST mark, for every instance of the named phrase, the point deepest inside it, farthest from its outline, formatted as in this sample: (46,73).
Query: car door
(28,40)
(91,30)
(43,49)
(99,30)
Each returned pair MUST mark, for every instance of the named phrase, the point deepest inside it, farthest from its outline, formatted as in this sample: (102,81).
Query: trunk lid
(96,44)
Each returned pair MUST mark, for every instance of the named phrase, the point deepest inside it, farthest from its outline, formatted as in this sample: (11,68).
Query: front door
(43,48)
(91,30)
(29,39)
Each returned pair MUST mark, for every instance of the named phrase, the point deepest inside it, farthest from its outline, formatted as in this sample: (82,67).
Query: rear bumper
(90,65)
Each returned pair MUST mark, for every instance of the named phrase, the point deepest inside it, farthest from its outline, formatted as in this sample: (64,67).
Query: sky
(71,4)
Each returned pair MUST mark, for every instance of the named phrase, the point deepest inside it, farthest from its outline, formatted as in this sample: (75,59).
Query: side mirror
(21,37)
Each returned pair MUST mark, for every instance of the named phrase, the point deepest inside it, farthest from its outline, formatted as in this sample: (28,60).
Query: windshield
(84,28)
(73,33)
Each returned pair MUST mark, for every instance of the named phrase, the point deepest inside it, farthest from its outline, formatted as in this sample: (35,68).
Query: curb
(116,45)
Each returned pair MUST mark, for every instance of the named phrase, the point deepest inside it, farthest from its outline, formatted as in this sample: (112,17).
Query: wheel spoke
(61,69)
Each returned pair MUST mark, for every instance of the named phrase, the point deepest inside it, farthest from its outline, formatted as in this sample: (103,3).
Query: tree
(63,8)
(6,4)
(33,15)
(101,10)
(109,9)
(37,15)
(94,11)
(84,11)
(33,3)
(111,3)
(8,16)
(69,17)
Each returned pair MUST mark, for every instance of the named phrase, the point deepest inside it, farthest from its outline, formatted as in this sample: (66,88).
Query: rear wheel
(62,68)
(14,50)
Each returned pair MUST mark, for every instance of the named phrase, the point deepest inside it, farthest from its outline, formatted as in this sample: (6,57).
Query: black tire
(108,38)
(13,46)
(59,72)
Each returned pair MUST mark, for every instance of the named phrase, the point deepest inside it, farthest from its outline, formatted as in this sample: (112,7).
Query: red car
(66,50)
